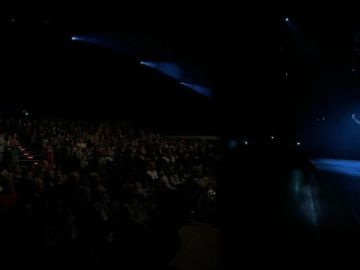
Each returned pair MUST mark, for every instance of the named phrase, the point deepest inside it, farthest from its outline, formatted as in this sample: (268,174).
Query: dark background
(242,52)
(45,72)
(316,49)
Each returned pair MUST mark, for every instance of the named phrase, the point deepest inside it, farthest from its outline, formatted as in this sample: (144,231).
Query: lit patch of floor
(339,166)
(343,175)
(304,198)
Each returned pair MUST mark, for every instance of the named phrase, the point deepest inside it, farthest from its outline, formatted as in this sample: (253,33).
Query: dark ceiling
(180,31)
(256,47)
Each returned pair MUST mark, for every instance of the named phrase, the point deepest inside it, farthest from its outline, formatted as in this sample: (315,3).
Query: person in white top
(151,172)
(165,178)
(175,180)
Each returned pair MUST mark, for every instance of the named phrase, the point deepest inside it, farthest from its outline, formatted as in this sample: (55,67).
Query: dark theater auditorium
(180,136)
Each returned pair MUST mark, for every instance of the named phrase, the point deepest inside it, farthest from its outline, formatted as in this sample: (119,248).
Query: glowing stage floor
(339,166)
(343,176)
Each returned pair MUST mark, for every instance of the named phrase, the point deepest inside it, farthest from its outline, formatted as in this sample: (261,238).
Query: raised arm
(356,120)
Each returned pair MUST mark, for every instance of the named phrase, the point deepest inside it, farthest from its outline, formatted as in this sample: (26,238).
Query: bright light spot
(150,64)
(74,38)
(353,70)
(246,142)
(272,137)
(26,113)
(286,19)
(298,143)
(323,118)
(286,74)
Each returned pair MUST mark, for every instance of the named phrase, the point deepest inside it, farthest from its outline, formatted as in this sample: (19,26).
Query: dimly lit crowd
(80,193)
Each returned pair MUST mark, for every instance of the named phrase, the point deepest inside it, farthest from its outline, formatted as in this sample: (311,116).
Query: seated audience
(88,184)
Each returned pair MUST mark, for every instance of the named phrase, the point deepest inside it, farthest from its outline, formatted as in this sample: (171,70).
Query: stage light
(26,113)
(353,70)
(286,19)
(323,118)
(246,142)
(74,38)
(272,137)
(298,143)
